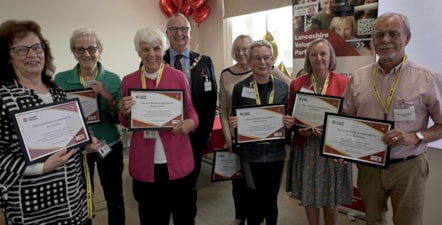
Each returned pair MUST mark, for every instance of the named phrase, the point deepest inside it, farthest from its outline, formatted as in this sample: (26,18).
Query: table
(217,139)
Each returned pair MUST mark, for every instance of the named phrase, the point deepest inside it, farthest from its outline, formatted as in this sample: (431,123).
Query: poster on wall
(346,25)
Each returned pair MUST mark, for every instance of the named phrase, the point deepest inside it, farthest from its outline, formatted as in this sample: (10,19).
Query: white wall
(116,21)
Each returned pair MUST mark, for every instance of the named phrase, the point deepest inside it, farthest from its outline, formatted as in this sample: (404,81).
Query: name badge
(87,83)
(207,86)
(149,134)
(404,115)
(248,93)
(103,149)
(305,90)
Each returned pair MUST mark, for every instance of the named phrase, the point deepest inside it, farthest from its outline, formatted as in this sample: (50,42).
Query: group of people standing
(316,181)
(319,182)
(165,164)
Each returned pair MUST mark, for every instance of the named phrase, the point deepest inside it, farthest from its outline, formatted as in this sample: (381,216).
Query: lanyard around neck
(390,92)
(82,79)
(157,80)
(272,93)
(324,86)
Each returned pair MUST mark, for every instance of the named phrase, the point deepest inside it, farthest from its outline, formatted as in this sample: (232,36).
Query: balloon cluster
(198,9)
(269,37)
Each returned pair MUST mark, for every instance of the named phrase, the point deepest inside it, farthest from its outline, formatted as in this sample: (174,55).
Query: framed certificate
(260,123)
(156,109)
(46,129)
(226,166)
(89,104)
(356,139)
(309,109)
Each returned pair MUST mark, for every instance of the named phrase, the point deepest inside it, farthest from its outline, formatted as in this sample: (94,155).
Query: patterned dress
(54,198)
(313,179)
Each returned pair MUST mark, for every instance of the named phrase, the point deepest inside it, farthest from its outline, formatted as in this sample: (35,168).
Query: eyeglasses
(259,58)
(174,30)
(91,50)
(24,50)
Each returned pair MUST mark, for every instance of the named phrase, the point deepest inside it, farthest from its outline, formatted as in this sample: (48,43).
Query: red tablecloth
(217,139)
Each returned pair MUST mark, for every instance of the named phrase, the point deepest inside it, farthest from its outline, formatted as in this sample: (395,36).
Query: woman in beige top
(229,77)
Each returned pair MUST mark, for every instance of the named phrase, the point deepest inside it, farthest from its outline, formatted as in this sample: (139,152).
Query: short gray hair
(388,15)
(259,43)
(86,33)
(150,35)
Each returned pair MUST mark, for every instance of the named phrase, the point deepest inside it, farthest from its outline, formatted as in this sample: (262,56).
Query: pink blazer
(177,147)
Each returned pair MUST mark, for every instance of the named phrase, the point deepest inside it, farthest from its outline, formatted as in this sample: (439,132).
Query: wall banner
(347,27)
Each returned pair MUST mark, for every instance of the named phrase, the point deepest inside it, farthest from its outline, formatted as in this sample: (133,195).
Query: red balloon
(167,8)
(185,9)
(178,3)
(201,13)
(196,3)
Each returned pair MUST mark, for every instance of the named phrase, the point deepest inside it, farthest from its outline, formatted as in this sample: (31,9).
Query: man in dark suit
(200,75)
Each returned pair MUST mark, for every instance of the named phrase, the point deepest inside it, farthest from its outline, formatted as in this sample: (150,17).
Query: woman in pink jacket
(160,161)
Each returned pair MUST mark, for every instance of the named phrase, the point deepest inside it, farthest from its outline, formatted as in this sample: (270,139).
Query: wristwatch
(419,136)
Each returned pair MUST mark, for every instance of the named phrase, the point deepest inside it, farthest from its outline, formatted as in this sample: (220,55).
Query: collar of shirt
(393,71)
(173,53)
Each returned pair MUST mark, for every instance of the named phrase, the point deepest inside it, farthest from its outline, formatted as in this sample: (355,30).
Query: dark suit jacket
(204,102)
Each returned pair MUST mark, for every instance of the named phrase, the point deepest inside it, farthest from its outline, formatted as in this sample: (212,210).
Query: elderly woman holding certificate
(314,180)
(262,161)
(52,191)
(90,74)
(160,158)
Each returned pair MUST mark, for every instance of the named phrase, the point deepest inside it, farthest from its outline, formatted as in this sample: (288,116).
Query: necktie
(177,64)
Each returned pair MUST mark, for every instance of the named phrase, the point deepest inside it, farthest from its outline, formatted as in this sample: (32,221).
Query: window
(277,21)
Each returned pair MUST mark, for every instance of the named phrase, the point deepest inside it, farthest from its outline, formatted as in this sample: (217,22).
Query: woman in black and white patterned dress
(50,192)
